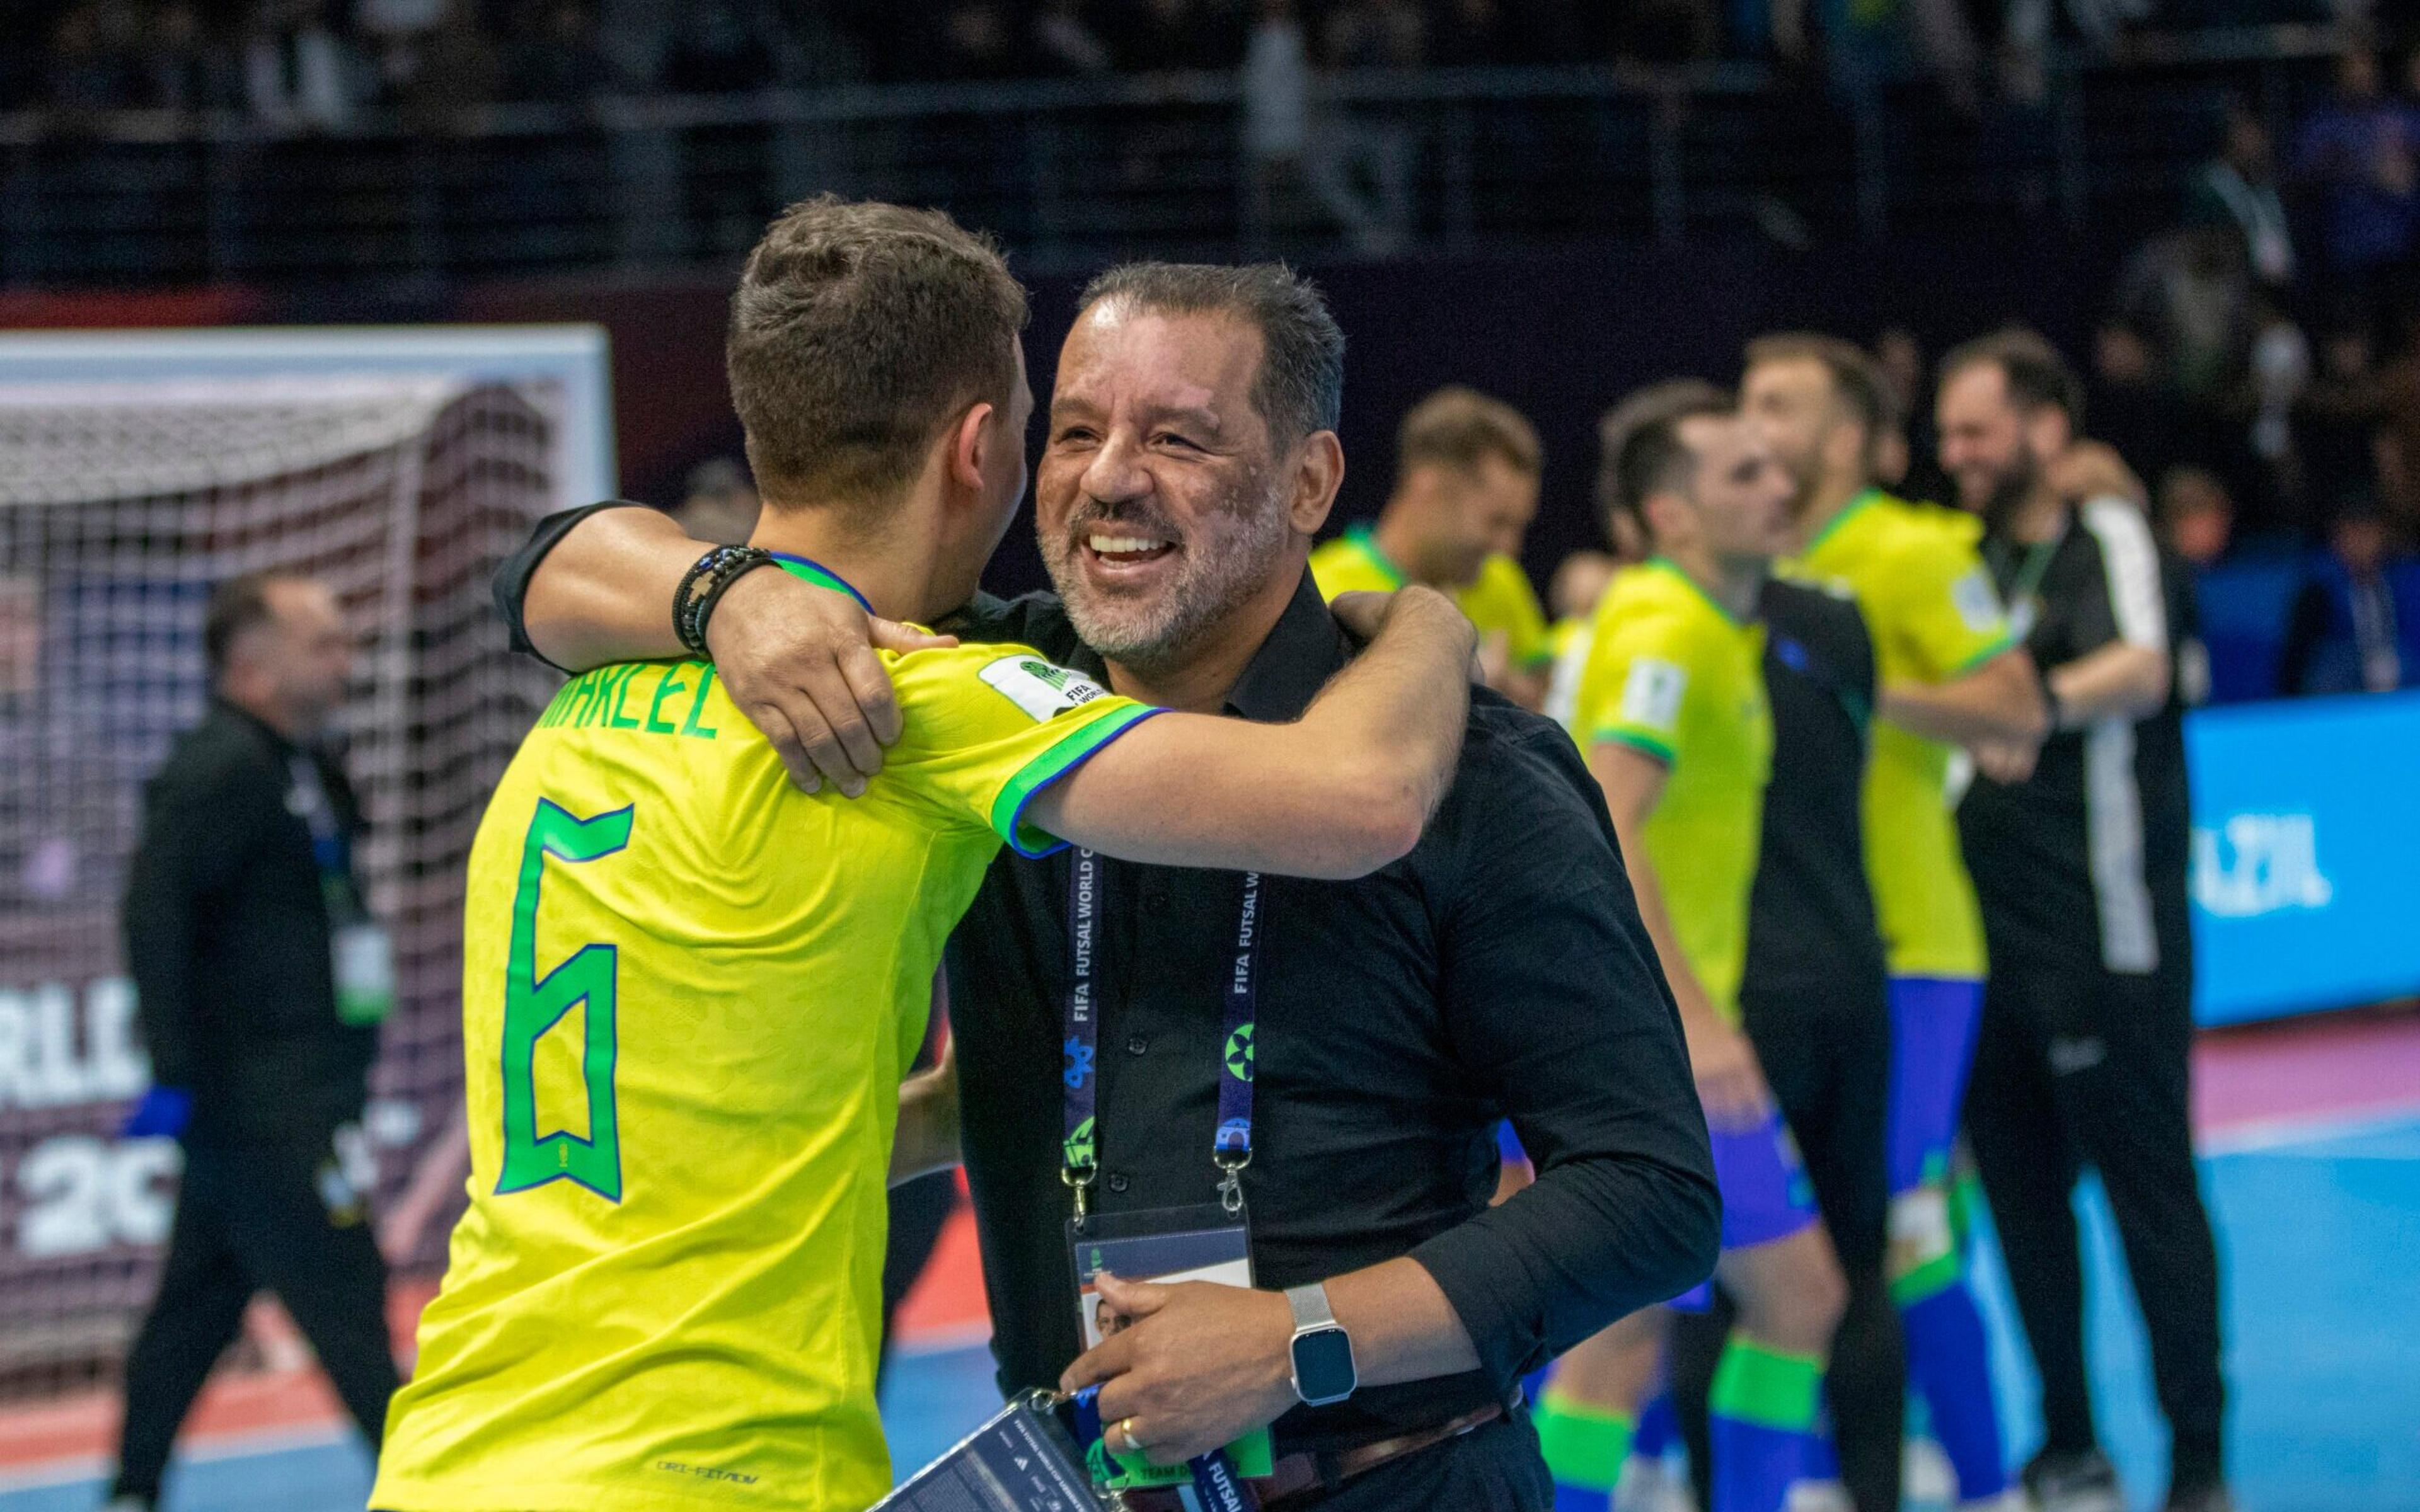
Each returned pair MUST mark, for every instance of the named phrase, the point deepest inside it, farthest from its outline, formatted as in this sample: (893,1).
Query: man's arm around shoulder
(1338,794)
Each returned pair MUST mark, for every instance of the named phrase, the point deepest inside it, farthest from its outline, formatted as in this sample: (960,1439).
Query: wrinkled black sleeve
(1553,995)
(511,583)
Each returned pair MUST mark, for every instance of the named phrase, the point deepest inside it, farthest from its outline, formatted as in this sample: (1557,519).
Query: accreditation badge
(364,962)
(1022,1460)
(1167,1245)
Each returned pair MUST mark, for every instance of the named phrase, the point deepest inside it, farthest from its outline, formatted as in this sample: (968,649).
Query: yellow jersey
(1499,601)
(1919,574)
(1673,674)
(690,994)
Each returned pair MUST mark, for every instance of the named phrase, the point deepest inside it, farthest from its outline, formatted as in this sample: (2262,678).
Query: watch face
(1323,1365)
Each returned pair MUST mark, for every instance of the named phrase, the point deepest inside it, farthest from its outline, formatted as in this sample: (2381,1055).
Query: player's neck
(1397,540)
(1832,499)
(1199,678)
(893,569)
(1734,583)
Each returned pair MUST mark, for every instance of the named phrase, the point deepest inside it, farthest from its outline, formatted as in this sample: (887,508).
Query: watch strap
(1310,1307)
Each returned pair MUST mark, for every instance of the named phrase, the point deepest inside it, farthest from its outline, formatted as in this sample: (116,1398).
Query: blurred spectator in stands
(2195,514)
(96,61)
(1375,33)
(2352,626)
(2360,152)
(2127,404)
(451,69)
(977,43)
(1290,143)
(2190,293)
(2336,425)
(1470,34)
(2395,447)
(298,71)
(1148,36)
(720,504)
(2238,190)
(1063,43)
(558,57)
(720,47)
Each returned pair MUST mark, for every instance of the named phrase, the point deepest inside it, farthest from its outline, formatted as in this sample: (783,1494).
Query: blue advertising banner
(2305,854)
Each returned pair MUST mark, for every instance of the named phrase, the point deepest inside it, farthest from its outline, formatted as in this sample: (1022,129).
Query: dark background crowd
(324,61)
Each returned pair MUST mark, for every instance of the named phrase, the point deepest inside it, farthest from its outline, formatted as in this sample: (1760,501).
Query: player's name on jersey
(657,698)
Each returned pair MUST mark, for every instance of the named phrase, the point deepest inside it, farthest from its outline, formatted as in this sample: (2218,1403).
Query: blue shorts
(1767,1195)
(1934,1021)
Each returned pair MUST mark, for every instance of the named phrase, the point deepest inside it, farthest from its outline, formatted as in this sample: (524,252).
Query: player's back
(1934,616)
(1673,674)
(690,993)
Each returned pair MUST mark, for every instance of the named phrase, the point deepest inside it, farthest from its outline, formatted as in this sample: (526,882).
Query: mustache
(1095,513)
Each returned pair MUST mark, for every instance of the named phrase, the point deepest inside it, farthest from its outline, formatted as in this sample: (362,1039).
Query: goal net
(122,503)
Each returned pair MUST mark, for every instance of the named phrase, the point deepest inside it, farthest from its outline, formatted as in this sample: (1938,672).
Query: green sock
(1584,1444)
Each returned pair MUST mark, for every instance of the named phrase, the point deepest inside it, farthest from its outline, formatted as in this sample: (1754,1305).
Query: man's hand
(2006,761)
(1362,613)
(1730,1084)
(1191,1369)
(799,663)
(2093,470)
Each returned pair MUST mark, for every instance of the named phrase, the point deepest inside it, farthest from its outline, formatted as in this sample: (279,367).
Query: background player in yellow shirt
(1673,717)
(1465,489)
(691,990)
(1950,674)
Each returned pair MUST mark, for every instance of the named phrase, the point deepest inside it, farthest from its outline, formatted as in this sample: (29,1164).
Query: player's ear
(1319,471)
(971,441)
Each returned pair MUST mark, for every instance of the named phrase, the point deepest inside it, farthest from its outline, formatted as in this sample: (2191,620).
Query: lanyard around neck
(1230,1146)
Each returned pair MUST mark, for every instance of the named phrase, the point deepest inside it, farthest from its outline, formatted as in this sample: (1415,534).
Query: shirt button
(1117,1182)
(1137,1045)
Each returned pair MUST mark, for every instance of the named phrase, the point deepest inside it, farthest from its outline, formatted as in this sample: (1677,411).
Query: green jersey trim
(1008,809)
(1365,541)
(1832,526)
(1632,738)
(1978,658)
(1667,564)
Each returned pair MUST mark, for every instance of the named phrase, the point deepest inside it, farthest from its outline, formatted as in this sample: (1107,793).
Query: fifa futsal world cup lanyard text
(1199,1243)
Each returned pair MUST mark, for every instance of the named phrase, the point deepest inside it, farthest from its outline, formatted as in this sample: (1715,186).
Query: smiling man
(1331,1059)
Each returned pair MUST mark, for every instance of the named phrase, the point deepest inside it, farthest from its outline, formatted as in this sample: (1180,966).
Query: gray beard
(1220,577)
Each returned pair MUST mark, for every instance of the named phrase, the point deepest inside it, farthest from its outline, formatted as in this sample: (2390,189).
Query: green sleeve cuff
(2002,643)
(1636,741)
(1080,746)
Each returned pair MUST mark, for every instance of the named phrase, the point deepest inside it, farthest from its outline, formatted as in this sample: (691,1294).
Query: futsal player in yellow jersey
(1465,489)
(1949,672)
(1672,715)
(691,990)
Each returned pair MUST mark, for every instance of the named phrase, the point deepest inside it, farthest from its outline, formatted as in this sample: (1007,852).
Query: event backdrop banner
(2305,854)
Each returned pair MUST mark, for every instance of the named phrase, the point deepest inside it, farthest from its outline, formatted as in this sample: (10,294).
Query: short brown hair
(1301,388)
(2037,375)
(236,605)
(1640,450)
(1458,426)
(1858,379)
(859,329)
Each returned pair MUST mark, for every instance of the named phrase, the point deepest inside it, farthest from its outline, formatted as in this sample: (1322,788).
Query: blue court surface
(2319,1237)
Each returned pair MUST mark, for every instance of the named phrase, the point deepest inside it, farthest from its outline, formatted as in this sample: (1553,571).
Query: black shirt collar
(1305,648)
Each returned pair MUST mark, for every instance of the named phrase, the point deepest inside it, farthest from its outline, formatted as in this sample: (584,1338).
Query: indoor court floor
(2311,1159)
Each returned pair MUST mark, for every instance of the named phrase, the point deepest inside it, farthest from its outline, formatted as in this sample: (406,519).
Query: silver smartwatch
(1323,1352)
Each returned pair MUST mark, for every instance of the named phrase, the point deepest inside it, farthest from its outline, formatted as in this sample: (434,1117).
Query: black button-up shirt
(1499,970)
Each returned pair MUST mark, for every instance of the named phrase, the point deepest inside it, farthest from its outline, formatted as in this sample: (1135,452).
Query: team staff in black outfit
(1499,970)
(2078,854)
(260,982)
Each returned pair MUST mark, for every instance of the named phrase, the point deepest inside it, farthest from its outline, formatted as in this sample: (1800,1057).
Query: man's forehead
(1797,372)
(1976,384)
(1200,360)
